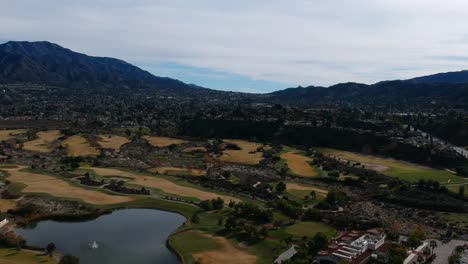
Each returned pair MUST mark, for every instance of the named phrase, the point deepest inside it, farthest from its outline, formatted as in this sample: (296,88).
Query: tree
(313,195)
(420,259)
(195,219)
(220,221)
(433,244)
(397,254)
(280,187)
(69,259)
(50,248)
(461,191)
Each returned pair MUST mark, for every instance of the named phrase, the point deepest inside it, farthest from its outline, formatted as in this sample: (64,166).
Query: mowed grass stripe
(39,183)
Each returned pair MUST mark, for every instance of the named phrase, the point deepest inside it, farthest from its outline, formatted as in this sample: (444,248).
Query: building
(286,255)
(355,246)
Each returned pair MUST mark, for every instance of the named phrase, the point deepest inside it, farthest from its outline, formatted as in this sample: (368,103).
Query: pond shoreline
(82,218)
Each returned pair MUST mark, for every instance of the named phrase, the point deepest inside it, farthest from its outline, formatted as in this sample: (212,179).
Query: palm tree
(420,259)
(433,244)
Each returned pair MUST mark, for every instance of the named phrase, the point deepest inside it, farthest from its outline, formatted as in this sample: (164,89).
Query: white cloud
(298,41)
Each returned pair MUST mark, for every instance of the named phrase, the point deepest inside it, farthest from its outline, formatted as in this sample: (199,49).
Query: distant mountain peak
(455,77)
(46,63)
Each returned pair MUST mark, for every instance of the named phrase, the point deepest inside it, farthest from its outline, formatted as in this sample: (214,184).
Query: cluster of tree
(252,212)
(431,185)
(241,228)
(213,204)
(398,254)
(289,208)
(333,199)
(456,254)
(72,161)
(87,180)
(118,186)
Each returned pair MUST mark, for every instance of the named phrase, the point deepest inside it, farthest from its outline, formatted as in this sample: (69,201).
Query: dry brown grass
(6,205)
(39,183)
(295,186)
(299,164)
(162,142)
(44,142)
(10,133)
(195,149)
(112,141)
(225,253)
(161,184)
(246,155)
(177,171)
(79,146)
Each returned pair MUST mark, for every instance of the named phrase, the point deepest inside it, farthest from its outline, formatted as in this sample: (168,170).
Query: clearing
(6,205)
(297,187)
(162,142)
(161,184)
(39,183)
(112,142)
(246,155)
(13,256)
(396,168)
(79,146)
(10,133)
(299,164)
(44,142)
(225,252)
(177,171)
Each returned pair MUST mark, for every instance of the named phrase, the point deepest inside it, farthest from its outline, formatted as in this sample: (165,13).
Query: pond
(136,236)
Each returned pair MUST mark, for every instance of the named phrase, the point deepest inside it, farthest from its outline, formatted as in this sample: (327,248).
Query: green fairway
(308,229)
(190,242)
(10,256)
(396,168)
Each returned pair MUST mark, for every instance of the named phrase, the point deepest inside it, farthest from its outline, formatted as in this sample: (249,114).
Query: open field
(9,134)
(6,205)
(79,146)
(162,142)
(44,142)
(299,192)
(299,164)
(308,229)
(177,171)
(224,253)
(396,168)
(246,155)
(13,256)
(161,184)
(112,141)
(456,187)
(39,183)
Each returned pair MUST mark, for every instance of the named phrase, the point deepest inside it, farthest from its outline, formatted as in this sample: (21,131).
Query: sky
(255,45)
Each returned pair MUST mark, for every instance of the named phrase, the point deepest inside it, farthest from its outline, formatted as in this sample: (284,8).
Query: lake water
(136,236)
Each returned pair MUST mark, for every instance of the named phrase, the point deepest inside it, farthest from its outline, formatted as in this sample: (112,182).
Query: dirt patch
(226,253)
(6,205)
(299,164)
(177,171)
(162,184)
(295,186)
(112,141)
(39,183)
(247,154)
(9,134)
(162,142)
(44,143)
(79,146)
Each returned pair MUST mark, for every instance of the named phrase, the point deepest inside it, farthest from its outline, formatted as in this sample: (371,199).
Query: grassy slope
(10,256)
(399,169)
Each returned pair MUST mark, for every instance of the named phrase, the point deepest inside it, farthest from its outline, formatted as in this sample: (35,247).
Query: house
(355,246)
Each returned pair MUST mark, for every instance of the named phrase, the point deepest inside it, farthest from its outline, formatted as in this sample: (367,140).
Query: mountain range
(47,63)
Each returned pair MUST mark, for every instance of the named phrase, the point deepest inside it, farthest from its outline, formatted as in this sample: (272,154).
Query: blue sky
(255,45)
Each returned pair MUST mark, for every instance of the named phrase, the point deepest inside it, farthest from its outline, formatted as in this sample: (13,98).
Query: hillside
(447,77)
(50,64)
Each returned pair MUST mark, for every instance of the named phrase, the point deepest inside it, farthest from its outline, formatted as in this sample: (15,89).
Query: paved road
(443,251)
